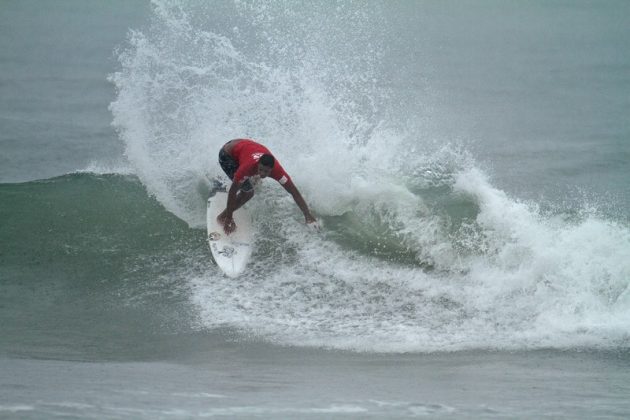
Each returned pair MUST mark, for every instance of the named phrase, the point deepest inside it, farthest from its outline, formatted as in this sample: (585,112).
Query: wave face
(420,252)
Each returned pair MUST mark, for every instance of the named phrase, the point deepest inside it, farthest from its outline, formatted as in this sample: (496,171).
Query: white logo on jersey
(257,156)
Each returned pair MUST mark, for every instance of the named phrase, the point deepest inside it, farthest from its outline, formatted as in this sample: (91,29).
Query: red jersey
(247,153)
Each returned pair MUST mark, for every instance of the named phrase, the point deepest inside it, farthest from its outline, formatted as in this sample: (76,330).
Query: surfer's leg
(228,164)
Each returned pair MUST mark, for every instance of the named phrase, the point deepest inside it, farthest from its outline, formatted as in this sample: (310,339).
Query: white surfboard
(231,252)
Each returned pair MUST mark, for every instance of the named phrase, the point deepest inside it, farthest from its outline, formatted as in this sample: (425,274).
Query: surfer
(246,162)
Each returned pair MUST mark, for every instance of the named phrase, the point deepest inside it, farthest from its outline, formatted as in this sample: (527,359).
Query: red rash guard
(247,153)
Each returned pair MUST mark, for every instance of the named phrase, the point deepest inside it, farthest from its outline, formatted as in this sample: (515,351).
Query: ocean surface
(469,163)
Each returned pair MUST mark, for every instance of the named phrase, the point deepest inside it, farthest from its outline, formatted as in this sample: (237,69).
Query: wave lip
(107,168)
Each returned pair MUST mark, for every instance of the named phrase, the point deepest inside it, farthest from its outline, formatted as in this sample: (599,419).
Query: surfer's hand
(312,222)
(228,223)
(229,226)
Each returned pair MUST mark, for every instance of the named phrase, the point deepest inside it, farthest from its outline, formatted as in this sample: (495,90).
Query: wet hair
(267,160)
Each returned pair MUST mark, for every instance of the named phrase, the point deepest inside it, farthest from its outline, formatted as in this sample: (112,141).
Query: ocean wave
(420,251)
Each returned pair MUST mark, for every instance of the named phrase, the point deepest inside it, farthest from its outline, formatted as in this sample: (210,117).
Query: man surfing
(246,162)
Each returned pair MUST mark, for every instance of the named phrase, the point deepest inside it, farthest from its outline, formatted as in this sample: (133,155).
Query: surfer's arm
(292,189)
(231,200)
(225,218)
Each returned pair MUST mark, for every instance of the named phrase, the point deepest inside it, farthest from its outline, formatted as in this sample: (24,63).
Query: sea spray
(184,91)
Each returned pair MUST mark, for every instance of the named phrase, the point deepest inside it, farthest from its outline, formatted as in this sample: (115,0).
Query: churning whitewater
(419,251)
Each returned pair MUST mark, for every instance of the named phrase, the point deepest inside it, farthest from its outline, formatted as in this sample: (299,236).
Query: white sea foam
(532,282)
(479,268)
